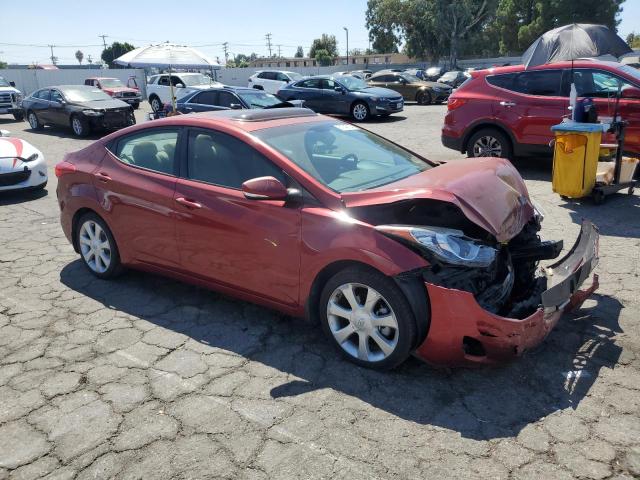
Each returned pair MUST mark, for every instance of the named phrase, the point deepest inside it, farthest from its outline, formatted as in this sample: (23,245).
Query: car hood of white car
(12,150)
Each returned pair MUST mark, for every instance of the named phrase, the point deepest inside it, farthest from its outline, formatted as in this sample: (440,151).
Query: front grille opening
(473,347)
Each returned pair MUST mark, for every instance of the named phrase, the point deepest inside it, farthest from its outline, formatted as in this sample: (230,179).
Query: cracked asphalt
(146,377)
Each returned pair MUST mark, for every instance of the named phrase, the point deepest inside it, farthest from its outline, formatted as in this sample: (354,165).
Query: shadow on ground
(14,197)
(484,403)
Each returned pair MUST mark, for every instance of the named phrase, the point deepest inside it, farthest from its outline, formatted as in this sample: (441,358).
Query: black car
(453,78)
(77,106)
(229,98)
(343,95)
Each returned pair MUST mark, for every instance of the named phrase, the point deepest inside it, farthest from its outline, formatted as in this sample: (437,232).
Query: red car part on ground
(284,252)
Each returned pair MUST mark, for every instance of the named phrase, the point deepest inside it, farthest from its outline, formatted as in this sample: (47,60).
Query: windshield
(84,94)
(352,83)
(342,156)
(196,79)
(111,83)
(632,72)
(410,78)
(4,83)
(259,99)
(295,76)
(450,75)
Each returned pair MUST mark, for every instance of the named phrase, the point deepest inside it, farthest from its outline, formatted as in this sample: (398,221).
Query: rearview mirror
(631,92)
(264,188)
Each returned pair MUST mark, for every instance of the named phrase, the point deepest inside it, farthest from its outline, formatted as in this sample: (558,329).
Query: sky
(76,25)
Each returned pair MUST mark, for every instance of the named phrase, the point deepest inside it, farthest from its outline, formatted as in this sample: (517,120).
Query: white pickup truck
(10,99)
(159,87)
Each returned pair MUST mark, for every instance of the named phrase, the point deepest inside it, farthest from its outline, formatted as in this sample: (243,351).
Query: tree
(385,20)
(633,40)
(3,64)
(79,56)
(327,43)
(323,57)
(299,53)
(89,59)
(115,50)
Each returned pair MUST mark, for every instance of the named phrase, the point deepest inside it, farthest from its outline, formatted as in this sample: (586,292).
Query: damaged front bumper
(462,333)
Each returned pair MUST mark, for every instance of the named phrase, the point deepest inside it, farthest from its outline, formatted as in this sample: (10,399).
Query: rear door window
(226,99)
(501,81)
(310,83)
(164,80)
(544,83)
(206,98)
(152,150)
(43,94)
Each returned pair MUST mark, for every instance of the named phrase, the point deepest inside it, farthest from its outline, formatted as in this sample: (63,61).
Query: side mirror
(338,88)
(631,92)
(13,84)
(179,85)
(235,106)
(264,188)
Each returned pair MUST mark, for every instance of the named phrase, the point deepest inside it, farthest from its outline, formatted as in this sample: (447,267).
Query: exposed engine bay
(506,284)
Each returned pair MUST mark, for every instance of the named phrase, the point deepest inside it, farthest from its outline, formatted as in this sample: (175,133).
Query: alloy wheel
(76,124)
(362,322)
(487,146)
(360,112)
(155,104)
(33,120)
(95,246)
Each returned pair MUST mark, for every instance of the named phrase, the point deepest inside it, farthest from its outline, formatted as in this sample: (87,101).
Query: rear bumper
(454,143)
(462,333)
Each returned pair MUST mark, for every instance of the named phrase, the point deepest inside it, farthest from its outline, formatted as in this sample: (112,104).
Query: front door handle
(507,104)
(103,177)
(190,204)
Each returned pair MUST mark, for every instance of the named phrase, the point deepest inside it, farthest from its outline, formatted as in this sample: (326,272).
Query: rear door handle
(103,177)
(507,104)
(188,203)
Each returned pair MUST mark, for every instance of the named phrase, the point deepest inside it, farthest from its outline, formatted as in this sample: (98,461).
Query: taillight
(454,103)
(63,168)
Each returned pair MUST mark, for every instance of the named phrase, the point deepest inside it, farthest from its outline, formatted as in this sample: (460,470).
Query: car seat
(145,155)
(214,163)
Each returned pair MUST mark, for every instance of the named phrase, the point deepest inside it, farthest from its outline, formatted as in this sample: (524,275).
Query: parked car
(116,89)
(453,78)
(433,73)
(390,253)
(10,99)
(343,95)
(272,80)
(159,87)
(416,72)
(411,88)
(509,111)
(22,166)
(80,107)
(230,98)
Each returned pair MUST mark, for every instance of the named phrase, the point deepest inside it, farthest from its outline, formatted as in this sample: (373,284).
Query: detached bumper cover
(457,319)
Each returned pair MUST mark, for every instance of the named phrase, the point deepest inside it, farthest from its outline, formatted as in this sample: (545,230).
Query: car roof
(102,78)
(584,63)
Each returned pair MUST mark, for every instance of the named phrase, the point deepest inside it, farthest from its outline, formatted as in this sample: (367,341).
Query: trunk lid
(489,191)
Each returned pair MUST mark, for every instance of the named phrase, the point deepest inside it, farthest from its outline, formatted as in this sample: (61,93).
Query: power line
(268,37)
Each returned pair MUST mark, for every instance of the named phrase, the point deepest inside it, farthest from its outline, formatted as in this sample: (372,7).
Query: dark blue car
(343,95)
(229,98)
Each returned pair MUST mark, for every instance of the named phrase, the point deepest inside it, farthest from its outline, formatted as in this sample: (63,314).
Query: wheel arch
(482,125)
(409,283)
(75,221)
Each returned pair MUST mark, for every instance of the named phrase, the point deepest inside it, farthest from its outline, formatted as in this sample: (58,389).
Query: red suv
(509,111)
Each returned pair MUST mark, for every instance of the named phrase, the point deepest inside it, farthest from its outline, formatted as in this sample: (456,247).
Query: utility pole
(279,50)
(347,30)
(104,42)
(268,37)
(225,47)
(53,58)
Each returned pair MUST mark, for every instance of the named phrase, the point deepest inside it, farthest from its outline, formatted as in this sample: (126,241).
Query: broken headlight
(446,245)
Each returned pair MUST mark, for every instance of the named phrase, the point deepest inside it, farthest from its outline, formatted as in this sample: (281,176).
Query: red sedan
(391,253)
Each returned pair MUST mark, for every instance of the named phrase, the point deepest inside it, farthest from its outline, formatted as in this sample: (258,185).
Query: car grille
(116,118)
(5,98)
(13,178)
(129,94)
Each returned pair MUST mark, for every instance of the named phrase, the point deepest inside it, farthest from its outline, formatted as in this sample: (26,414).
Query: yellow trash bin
(575,158)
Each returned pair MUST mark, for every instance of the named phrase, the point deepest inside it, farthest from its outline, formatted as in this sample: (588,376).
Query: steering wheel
(350,156)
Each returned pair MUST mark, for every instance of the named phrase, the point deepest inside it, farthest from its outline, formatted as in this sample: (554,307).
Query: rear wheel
(80,126)
(367,318)
(423,98)
(156,104)
(34,123)
(360,111)
(97,247)
(489,142)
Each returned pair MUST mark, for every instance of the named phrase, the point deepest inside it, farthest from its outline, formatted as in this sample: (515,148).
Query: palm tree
(79,56)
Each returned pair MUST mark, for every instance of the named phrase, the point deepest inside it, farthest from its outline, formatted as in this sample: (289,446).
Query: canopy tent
(167,55)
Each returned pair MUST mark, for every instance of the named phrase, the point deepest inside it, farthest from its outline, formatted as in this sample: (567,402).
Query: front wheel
(423,98)
(360,111)
(156,104)
(18,116)
(367,318)
(97,247)
(80,126)
(34,123)
(489,142)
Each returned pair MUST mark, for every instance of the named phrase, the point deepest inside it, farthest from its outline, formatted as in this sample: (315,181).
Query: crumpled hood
(103,104)
(119,89)
(489,191)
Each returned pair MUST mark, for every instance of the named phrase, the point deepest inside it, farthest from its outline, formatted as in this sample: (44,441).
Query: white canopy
(166,55)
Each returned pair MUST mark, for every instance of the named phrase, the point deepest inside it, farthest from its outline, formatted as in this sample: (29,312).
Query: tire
(32,118)
(423,98)
(156,104)
(360,111)
(80,126)
(132,118)
(18,116)
(489,142)
(136,105)
(358,338)
(95,262)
